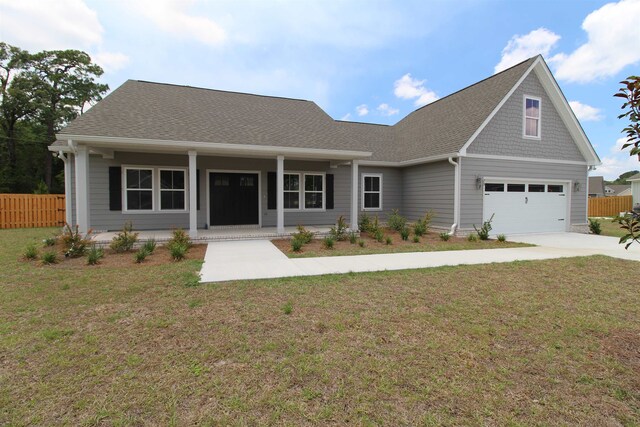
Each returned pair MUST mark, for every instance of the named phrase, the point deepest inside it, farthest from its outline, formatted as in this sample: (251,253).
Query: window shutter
(115,188)
(197,189)
(329,193)
(272,189)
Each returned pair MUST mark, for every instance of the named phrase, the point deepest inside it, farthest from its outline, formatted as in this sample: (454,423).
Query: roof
(635,177)
(618,188)
(596,185)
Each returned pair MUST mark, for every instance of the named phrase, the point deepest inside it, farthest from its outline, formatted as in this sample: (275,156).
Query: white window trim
(301,192)
(185,190)
(155,189)
(293,191)
(375,175)
(524,116)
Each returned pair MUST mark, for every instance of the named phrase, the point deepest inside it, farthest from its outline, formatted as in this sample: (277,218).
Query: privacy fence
(31,210)
(609,206)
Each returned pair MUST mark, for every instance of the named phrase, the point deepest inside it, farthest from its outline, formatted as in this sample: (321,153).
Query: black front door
(233,199)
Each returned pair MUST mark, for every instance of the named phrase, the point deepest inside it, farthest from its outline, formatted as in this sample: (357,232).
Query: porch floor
(216,234)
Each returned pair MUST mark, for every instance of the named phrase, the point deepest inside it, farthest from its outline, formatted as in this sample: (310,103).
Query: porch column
(280,194)
(193,197)
(67,187)
(354,195)
(82,188)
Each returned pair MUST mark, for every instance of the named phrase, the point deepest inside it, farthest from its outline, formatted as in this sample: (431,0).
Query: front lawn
(610,228)
(535,343)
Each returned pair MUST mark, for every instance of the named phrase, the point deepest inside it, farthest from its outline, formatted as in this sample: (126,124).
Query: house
(635,189)
(164,156)
(617,190)
(596,186)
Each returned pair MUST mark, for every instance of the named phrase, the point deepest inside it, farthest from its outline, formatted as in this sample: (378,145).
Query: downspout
(456,196)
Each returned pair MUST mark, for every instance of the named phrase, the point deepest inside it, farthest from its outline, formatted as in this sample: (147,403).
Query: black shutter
(115,188)
(198,189)
(272,190)
(329,195)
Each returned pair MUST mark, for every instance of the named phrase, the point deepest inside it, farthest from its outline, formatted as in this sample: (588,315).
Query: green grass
(610,228)
(524,343)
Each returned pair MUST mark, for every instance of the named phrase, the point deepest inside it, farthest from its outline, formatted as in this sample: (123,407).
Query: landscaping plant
(149,246)
(361,243)
(388,240)
(124,240)
(339,231)
(141,255)
(594,226)
(378,235)
(50,257)
(421,226)
(404,234)
(416,239)
(296,244)
(303,235)
(472,237)
(94,255)
(483,232)
(328,242)
(178,251)
(502,238)
(365,223)
(31,252)
(180,237)
(396,221)
(49,241)
(444,236)
(75,244)
(353,237)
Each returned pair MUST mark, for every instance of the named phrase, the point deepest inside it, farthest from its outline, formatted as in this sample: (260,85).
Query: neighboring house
(596,186)
(166,156)
(635,188)
(618,189)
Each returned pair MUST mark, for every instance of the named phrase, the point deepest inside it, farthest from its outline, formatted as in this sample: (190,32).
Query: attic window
(531,117)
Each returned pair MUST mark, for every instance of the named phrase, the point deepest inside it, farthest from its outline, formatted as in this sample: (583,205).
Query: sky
(363,60)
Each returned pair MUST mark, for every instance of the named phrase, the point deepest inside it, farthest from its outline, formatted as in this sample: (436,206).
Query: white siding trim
(524,159)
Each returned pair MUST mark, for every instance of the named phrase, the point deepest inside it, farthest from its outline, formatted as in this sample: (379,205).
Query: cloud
(111,61)
(362,110)
(523,47)
(407,87)
(386,110)
(613,43)
(584,112)
(617,162)
(172,16)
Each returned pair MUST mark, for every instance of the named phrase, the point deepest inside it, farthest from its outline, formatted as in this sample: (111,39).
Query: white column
(82,188)
(354,195)
(67,187)
(280,194)
(193,197)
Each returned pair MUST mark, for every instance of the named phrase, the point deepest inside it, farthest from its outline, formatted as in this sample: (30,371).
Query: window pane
(172,200)
(367,183)
(375,183)
(139,200)
(555,188)
(221,181)
(133,178)
(515,188)
(493,187)
(291,182)
(166,179)
(178,180)
(313,200)
(371,200)
(246,181)
(533,108)
(536,188)
(313,182)
(291,200)
(531,127)
(145,178)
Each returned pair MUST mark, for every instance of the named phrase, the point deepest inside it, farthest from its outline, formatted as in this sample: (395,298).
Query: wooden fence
(609,206)
(31,210)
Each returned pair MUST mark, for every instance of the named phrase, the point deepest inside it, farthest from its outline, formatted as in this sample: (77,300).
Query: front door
(233,198)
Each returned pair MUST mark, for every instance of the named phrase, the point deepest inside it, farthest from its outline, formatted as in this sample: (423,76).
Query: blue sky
(371,61)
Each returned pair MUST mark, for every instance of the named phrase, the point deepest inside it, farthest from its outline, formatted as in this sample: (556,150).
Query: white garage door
(531,207)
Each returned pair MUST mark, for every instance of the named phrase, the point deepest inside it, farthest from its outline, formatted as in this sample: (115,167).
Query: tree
(622,179)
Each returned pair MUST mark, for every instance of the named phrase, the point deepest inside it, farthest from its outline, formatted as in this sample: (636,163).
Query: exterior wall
(503,134)
(429,187)
(391,190)
(471,199)
(635,192)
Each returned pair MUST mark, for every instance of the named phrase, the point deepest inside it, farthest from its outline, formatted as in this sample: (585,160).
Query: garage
(525,206)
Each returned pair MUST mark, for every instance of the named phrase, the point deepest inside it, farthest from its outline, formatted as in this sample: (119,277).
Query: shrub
(296,244)
(361,243)
(594,226)
(378,235)
(502,238)
(149,246)
(444,236)
(396,221)
(303,235)
(421,227)
(49,241)
(94,255)
(353,237)
(404,234)
(483,232)
(124,240)
(31,252)
(328,242)
(388,240)
(178,251)
(416,239)
(179,237)
(365,223)
(339,231)
(50,257)
(75,244)
(472,237)
(141,255)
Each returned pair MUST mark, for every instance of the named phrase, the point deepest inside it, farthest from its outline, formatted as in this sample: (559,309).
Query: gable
(503,135)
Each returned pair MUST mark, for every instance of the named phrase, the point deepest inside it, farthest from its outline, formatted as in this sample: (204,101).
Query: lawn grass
(535,343)
(610,228)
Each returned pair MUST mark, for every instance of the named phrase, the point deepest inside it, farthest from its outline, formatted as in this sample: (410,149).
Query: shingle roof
(147,110)
(634,177)
(596,185)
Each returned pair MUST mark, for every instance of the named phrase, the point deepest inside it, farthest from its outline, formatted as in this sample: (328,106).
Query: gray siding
(471,198)
(429,187)
(503,134)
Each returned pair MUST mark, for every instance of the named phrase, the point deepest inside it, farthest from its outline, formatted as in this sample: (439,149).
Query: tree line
(39,93)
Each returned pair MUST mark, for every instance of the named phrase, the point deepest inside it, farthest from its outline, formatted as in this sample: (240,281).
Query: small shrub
(31,252)
(328,242)
(416,239)
(594,226)
(365,223)
(296,244)
(50,257)
(353,237)
(388,240)
(396,221)
(303,235)
(378,235)
(179,237)
(49,241)
(472,237)
(483,232)
(94,255)
(502,238)
(287,308)
(178,252)
(404,234)
(361,243)
(141,255)
(75,244)
(339,231)
(149,246)
(444,236)
(124,240)
(421,227)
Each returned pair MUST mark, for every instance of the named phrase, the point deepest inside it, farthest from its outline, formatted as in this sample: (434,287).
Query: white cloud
(617,162)
(172,16)
(613,43)
(407,87)
(522,47)
(584,112)
(387,110)
(362,110)
(111,61)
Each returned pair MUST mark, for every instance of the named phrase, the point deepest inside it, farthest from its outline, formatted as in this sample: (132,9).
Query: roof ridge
(362,123)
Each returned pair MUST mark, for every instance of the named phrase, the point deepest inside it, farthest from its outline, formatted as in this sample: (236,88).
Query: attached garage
(531,206)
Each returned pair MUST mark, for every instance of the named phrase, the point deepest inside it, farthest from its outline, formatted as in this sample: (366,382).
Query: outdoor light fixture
(576,187)
(478,182)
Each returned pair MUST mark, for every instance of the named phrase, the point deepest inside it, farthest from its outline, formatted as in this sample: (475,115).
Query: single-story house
(617,190)
(165,156)
(635,188)
(595,186)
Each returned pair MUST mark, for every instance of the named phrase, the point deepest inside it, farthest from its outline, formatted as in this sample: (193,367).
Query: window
(138,189)
(493,187)
(173,192)
(291,191)
(313,191)
(515,188)
(536,188)
(372,192)
(531,117)
(555,188)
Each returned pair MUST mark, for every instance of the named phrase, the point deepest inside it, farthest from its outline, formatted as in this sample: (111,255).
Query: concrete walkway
(260,259)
